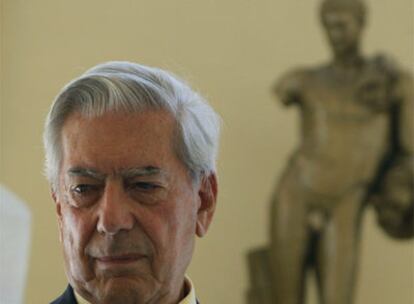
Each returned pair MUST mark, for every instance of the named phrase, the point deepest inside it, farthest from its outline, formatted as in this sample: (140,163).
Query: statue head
(343,21)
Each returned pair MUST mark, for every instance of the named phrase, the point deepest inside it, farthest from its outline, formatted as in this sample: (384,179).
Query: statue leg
(337,250)
(289,238)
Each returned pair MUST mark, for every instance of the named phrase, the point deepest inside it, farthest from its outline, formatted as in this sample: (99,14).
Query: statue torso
(345,128)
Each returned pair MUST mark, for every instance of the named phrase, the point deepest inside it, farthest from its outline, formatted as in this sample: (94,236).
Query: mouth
(119,259)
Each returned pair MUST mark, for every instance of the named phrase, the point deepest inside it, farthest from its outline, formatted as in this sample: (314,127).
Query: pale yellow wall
(232,50)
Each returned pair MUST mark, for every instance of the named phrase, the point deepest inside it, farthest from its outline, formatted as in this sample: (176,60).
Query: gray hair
(130,87)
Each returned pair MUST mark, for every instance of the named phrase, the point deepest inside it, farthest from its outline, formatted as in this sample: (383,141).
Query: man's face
(127,208)
(343,29)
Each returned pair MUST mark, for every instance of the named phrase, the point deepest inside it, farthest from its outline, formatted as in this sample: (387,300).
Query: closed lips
(120,258)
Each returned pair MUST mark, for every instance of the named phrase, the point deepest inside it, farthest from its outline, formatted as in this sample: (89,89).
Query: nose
(114,211)
(336,34)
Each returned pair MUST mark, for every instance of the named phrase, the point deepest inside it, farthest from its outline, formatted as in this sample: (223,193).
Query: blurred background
(232,51)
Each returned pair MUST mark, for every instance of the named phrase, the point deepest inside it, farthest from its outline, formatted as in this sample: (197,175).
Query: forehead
(333,16)
(117,140)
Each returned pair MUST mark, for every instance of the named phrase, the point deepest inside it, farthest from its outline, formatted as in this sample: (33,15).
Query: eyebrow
(125,174)
(86,172)
(141,171)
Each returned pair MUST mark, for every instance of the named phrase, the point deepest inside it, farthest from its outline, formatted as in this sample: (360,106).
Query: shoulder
(388,66)
(67,297)
(383,83)
(292,84)
(294,76)
(289,86)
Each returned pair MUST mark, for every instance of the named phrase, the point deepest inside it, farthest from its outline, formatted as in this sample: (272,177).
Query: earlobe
(208,198)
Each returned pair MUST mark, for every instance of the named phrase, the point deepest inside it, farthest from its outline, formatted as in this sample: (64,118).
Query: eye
(146,193)
(83,189)
(84,195)
(143,186)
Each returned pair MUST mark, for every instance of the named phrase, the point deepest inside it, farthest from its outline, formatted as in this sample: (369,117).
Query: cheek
(354,32)
(172,228)
(77,229)
(183,226)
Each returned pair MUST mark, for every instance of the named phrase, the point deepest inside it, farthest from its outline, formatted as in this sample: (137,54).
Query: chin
(339,50)
(120,290)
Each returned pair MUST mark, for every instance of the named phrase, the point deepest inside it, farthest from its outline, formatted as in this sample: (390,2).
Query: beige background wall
(232,51)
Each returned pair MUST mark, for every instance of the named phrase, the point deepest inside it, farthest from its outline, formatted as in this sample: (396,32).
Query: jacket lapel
(66,298)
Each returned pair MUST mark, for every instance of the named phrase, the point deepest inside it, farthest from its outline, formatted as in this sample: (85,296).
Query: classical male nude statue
(356,148)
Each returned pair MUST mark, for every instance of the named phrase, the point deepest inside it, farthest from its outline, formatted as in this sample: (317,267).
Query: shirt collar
(190,298)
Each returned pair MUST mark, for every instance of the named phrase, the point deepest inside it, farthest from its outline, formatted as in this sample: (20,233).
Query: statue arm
(288,89)
(405,98)
(402,95)
(395,206)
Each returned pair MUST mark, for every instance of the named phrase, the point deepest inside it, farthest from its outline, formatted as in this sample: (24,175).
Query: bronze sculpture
(356,149)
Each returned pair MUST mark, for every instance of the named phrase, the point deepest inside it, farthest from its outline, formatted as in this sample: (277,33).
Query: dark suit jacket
(68,297)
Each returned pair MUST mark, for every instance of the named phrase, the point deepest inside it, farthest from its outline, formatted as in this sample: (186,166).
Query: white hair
(130,87)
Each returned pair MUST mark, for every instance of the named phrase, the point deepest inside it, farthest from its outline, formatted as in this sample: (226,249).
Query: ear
(208,198)
(58,207)
(56,199)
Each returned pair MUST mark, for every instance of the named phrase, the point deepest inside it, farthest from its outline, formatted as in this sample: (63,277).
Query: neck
(170,297)
(349,60)
(173,295)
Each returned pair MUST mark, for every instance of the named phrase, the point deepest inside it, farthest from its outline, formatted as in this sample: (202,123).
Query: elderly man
(130,155)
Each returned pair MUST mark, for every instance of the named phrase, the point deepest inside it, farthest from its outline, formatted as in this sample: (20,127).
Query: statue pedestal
(260,277)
